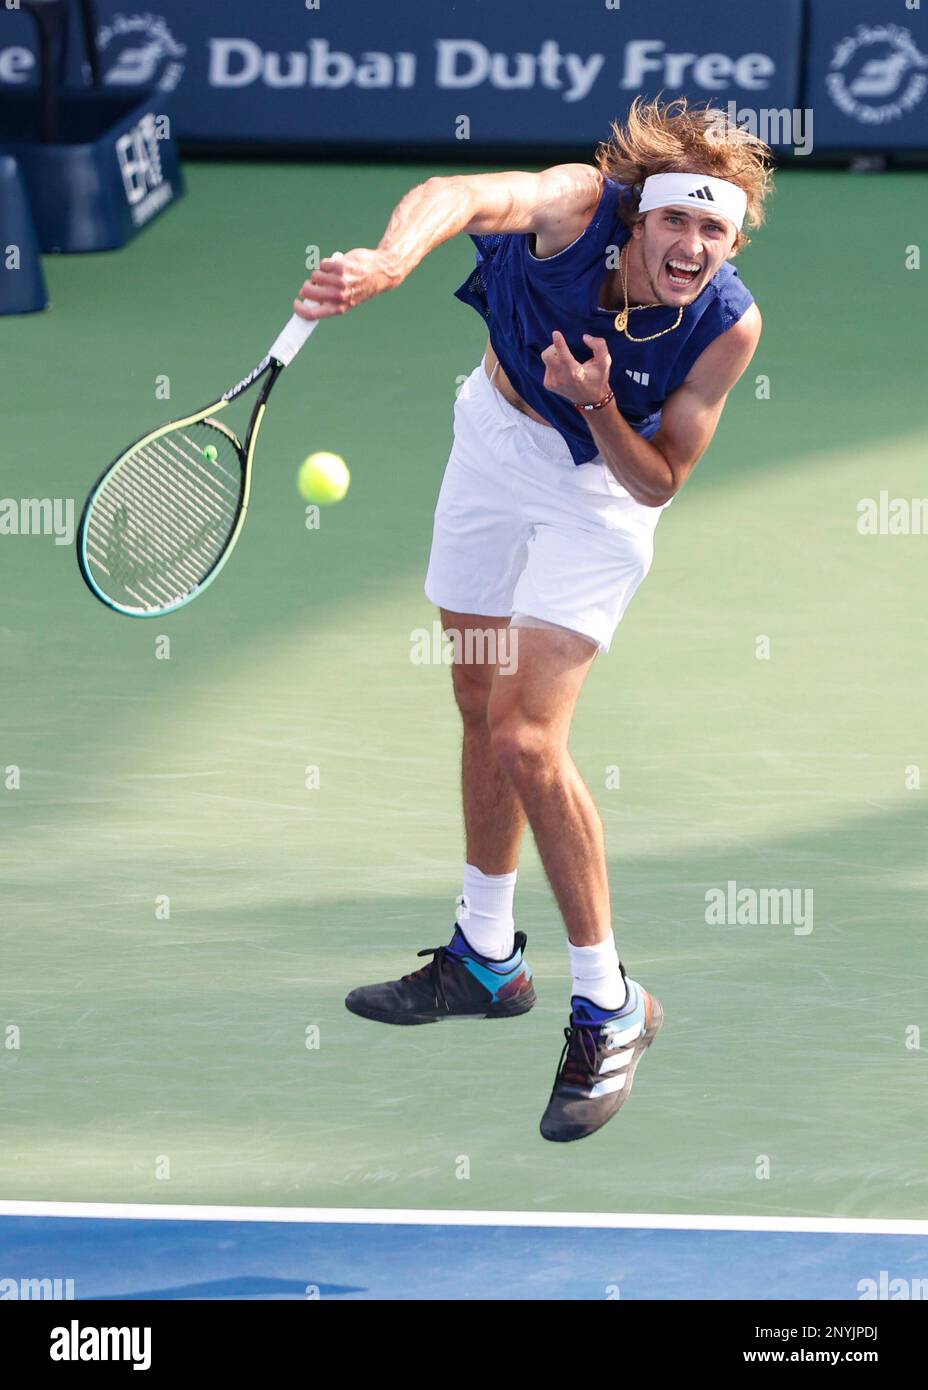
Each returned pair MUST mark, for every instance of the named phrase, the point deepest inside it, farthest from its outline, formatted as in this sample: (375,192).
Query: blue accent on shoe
(585,1014)
(494,975)
(460,946)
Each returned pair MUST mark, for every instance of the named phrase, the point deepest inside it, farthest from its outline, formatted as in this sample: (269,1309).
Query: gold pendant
(621,321)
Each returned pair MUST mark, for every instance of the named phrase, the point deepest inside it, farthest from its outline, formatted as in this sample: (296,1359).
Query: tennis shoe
(456,983)
(598,1062)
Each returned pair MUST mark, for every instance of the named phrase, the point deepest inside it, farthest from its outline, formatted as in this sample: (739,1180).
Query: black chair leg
(89,30)
(51,18)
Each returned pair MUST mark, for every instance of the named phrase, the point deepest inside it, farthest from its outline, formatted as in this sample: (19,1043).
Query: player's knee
(521,746)
(471,691)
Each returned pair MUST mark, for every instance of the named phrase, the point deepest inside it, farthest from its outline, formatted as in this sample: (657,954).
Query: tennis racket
(163,519)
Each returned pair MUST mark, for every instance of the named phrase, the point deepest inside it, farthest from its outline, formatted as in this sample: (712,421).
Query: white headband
(695,190)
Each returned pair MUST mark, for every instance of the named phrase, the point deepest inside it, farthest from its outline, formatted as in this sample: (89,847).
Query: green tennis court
(180,907)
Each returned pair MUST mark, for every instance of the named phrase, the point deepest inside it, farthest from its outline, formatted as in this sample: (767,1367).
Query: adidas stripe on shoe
(597,1066)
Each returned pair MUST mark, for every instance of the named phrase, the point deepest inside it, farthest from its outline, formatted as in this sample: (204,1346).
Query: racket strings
(116,534)
(163,517)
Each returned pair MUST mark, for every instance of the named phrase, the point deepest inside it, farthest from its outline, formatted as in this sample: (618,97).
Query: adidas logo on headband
(666,190)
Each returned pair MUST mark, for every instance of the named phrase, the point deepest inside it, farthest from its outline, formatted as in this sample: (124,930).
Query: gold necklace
(621,319)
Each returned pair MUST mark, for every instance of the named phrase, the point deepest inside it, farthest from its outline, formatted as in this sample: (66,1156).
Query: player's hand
(343,281)
(582,383)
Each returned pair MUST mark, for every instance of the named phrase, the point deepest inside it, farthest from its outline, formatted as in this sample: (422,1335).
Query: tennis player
(617,327)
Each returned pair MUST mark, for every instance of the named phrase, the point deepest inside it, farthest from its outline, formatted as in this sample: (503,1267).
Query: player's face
(681,251)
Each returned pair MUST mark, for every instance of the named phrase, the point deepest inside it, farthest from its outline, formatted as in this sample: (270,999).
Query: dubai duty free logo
(877,74)
(140,50)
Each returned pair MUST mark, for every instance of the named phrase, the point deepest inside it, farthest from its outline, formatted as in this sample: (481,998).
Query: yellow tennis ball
(323,478)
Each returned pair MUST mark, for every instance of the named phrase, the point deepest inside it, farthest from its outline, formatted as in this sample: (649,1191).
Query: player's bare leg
(529,716)
(481,973)
(494,819)
(613,1019)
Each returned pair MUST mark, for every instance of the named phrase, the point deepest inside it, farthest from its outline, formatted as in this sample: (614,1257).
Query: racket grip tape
(288,343)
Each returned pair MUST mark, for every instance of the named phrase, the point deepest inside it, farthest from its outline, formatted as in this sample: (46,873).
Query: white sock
(596,973)
(485,912)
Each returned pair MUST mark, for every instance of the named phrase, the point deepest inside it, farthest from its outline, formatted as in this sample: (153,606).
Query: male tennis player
(617,328)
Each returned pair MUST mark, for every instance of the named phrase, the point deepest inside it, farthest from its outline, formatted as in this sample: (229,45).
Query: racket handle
(288,343)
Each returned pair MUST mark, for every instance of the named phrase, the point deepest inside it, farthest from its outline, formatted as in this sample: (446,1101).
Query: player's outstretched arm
(557,202)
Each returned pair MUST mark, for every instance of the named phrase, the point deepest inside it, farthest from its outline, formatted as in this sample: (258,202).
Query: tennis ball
(211,453)
(323,478)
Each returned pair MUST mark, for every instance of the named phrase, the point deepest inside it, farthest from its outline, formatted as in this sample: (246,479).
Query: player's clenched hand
(342,282)
(582,383)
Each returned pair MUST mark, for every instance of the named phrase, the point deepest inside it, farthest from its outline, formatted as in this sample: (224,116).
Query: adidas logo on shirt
(642,378)
(705,193)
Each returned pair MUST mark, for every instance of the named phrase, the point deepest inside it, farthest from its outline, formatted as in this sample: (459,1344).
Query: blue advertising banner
(867,74)
(435,72)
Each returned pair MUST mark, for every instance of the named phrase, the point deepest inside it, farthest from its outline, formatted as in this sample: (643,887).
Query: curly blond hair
(675,137)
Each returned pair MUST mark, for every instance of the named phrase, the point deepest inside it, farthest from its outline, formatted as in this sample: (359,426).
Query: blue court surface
(130,1252)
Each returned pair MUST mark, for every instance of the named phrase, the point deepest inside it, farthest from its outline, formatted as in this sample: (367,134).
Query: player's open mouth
(682,274)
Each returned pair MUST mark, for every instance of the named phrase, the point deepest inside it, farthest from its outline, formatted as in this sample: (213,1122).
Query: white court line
(387,1216)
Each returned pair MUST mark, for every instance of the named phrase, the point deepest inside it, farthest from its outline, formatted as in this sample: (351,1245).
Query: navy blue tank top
(523,299)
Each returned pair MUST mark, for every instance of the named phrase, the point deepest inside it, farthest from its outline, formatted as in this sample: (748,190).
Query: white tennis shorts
(520,529)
